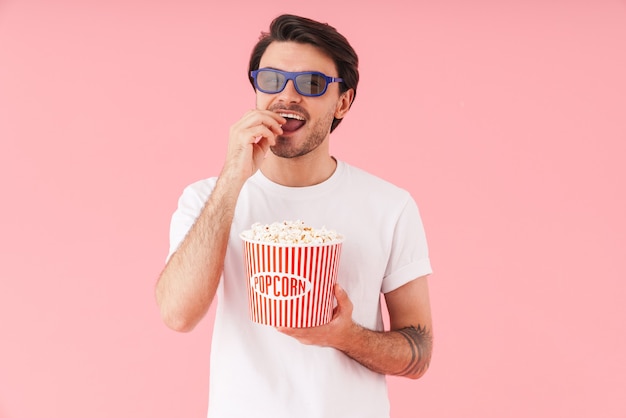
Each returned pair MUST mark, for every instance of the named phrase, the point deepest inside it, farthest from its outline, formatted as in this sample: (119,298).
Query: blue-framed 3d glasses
(307,83)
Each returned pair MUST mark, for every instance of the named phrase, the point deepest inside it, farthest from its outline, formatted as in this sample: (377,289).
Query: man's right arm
(188,282)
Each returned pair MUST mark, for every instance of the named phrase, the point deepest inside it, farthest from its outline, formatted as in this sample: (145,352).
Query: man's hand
(249,140)
(405,350)
(336,333)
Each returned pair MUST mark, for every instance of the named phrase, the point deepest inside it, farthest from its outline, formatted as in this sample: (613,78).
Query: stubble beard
(285,148)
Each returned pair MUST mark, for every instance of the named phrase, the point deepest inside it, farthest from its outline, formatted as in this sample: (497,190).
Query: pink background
(506,120)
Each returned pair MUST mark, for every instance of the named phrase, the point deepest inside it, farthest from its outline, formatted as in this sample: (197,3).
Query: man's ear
(344,103)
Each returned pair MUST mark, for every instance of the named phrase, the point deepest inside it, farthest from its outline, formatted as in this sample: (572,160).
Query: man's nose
(289,93)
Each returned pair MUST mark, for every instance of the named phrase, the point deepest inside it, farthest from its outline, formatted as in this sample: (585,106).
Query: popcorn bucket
(291,285)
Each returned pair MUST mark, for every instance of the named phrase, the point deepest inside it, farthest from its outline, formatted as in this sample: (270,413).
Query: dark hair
(322,35)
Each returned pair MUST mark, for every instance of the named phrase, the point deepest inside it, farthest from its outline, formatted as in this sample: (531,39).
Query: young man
(278,167)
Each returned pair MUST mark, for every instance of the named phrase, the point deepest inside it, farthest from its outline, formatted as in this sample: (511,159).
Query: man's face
(308,118)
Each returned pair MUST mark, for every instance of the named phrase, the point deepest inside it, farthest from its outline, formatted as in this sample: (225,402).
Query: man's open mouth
(294,122)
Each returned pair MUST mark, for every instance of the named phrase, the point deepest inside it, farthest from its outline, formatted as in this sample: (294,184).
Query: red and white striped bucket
(291,285)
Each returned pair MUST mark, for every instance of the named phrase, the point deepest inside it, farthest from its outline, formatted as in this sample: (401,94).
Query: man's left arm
(404,350)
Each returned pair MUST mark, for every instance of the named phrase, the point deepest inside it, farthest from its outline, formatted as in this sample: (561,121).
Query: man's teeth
(291,116)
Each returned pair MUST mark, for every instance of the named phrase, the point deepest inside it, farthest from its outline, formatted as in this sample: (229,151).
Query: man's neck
(307,170)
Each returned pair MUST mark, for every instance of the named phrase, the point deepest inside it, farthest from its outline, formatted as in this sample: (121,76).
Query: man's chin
(285,151)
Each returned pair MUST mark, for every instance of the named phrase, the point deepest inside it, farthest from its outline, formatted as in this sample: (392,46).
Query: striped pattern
(291,285)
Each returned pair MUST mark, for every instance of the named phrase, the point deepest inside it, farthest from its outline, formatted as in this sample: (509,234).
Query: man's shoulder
(200,188)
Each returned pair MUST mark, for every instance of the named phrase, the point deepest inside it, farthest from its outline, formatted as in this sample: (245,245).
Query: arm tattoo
(421,342)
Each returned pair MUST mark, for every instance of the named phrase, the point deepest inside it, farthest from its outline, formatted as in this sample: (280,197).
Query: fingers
(332,334)
(344,306)
(342,296)
(264,144)
(259,123)
(249,140)
(254,134)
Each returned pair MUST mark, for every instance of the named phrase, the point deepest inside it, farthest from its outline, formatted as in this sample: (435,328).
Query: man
(278,167)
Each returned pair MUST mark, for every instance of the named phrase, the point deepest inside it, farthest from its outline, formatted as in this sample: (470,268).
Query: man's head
(289,28)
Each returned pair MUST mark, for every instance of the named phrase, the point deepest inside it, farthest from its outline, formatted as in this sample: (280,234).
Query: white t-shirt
(257,371)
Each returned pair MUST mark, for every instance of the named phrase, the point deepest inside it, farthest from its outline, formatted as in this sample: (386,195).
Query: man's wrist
(353,337)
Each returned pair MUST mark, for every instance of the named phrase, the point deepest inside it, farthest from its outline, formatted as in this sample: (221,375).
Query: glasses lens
(311,84)
(270,81)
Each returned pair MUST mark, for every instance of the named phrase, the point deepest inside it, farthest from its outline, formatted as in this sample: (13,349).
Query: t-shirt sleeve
(190,205)
(409,253)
